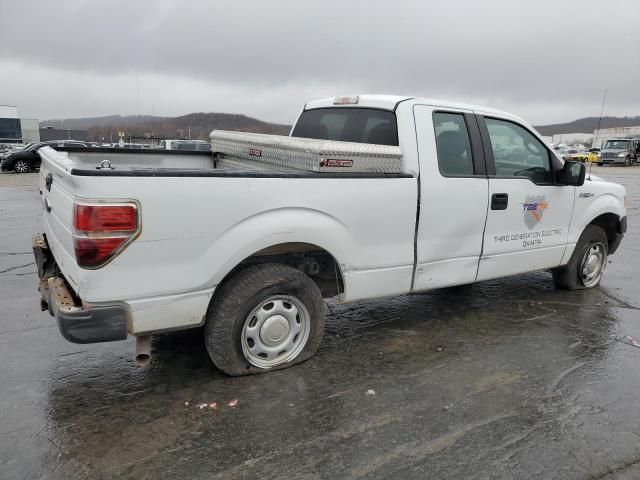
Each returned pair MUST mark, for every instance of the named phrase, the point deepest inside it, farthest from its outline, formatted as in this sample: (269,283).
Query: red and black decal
(331,162)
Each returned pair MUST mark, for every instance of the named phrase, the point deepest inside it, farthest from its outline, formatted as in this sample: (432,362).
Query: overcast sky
(546,60)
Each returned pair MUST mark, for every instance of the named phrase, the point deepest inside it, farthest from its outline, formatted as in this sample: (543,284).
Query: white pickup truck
(370,196)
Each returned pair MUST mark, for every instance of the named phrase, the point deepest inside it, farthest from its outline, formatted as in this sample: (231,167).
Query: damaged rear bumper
(78,322)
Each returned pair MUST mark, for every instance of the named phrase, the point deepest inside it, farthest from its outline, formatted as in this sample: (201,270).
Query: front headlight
(620,155)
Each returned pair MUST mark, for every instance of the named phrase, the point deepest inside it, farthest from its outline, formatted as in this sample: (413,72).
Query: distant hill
(199,124)
(588,125)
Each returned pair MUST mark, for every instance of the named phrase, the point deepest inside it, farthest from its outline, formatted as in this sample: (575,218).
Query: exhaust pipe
(143,351)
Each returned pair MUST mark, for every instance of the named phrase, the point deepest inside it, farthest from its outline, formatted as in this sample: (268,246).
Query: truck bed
(199,220)
(236,152)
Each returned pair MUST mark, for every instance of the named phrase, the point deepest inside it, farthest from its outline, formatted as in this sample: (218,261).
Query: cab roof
(390,102)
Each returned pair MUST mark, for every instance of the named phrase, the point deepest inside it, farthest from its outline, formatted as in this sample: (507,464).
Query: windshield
(617,144)
(348,124)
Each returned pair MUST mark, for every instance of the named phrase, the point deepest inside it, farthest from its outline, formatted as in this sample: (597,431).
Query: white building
(572,138)
(14,129)
(9,124)
(30,130)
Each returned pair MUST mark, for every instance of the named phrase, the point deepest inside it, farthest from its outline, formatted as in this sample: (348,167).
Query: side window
(452,144)
(517,153)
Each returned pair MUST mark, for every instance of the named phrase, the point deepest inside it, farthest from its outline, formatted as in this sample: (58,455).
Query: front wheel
(266,317)
(587,263)
(627,162)
(21,166)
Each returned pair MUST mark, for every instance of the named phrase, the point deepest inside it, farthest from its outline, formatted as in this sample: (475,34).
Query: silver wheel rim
(593,264)
(276,331)
(21,167)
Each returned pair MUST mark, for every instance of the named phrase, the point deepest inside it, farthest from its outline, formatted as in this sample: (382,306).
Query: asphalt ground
(506,379)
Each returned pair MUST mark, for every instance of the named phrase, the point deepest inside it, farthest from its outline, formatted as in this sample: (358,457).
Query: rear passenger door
(453,197)
(529,212)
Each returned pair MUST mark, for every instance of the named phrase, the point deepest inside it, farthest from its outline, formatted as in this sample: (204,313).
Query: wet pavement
(505,379)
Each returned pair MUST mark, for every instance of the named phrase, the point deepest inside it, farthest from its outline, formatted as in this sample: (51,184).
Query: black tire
(599,164)
(627,162)
(569,277)
(239,296)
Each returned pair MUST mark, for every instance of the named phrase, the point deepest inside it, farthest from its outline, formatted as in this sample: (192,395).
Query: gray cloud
(545,60)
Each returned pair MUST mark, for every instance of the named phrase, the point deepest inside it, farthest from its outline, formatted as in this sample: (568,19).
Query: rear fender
(278,226)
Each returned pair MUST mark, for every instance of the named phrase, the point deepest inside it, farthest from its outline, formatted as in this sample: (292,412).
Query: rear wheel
(266,317)
(587,264)
(21,166)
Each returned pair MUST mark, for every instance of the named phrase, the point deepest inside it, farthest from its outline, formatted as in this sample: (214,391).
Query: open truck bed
(239,151)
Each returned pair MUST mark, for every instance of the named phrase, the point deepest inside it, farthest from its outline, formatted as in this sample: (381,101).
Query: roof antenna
(604,98)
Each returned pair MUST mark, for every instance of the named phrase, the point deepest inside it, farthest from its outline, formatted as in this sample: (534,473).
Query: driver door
(529,214)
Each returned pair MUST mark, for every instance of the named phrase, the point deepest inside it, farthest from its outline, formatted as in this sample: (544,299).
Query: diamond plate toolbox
(256,150)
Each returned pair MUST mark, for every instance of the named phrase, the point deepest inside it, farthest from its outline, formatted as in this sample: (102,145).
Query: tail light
(103,230)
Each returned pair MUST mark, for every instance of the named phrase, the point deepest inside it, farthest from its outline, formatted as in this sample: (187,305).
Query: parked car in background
(28,160)
(173,144)
(568,153)
(22,161)
(197,145)
(623,151)
(129,145)
(591,155)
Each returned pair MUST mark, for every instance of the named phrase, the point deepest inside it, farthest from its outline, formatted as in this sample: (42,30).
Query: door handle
(499,201)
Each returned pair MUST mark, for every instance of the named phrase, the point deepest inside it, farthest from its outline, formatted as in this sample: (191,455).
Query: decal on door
(533,209)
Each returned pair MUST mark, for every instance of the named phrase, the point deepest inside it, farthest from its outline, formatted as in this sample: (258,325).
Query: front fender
(605,203)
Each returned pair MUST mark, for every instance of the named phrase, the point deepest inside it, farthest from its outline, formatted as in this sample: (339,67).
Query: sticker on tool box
(329,162)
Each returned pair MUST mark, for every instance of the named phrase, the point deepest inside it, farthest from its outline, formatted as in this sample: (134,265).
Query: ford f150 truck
(369,196)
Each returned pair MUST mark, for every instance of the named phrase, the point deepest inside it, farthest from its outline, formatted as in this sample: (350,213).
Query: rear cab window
(348,124)
(452,144)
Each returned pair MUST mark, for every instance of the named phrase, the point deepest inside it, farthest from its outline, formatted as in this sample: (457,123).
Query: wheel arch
(313,260)
(611,223)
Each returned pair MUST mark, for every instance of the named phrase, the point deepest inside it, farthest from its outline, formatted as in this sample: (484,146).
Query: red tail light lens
(94,252)
(102,231)
(106,218)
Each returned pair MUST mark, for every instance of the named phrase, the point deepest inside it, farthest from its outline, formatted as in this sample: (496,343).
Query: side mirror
(573,173)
